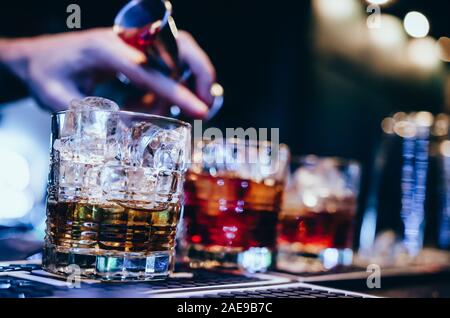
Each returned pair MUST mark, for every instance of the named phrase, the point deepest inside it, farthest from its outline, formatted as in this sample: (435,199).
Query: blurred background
(326,72)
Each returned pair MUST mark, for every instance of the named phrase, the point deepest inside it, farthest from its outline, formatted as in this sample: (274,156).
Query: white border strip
(39,279)
(385,272)
(282,286)
(42,273)
(23,262)
(266,280)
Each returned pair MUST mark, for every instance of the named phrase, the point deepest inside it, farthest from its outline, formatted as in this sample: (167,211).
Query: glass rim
(136,114)
(337,161)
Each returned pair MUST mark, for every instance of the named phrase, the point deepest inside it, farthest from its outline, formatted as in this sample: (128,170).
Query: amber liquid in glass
(95,236)
(111,227)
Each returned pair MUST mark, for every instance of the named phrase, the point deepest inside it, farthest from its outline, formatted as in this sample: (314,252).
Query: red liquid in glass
(312,231)
(231,212)
(139,38)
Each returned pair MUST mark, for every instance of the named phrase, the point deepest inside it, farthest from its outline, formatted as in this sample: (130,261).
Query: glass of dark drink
(233,194)
(317,220)
(115,192)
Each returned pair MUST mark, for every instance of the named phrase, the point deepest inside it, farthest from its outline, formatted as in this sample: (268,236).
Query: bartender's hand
(59,68)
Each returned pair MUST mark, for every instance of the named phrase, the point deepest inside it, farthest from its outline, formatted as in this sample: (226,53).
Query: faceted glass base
(298,262)
(255,259)
(107,265)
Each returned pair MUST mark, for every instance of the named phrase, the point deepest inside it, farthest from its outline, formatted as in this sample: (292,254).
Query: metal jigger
(148,25)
